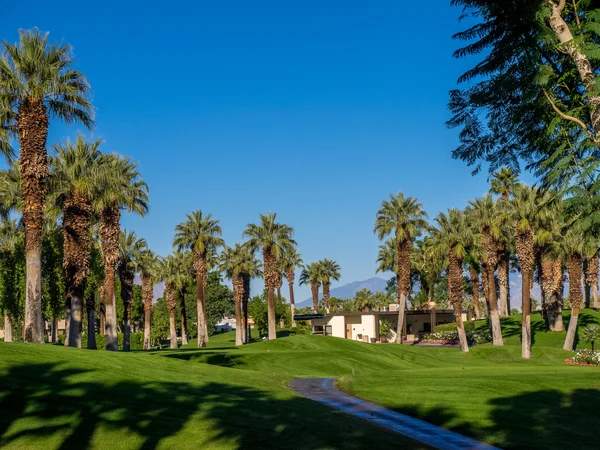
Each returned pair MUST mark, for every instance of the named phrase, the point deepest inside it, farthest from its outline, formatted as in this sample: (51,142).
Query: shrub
(452,336)
(584,358)
(136,341)
(469,326)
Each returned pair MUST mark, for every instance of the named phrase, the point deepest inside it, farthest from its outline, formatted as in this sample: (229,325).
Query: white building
(365,326)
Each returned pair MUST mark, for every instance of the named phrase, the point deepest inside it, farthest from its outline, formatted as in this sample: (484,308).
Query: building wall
(365,325)
(338,326)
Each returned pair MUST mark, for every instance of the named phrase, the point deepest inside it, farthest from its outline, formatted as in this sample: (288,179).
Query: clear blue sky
(314,110)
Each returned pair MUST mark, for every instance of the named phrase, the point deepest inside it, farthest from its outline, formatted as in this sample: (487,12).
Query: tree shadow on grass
(48,405)
(544,420)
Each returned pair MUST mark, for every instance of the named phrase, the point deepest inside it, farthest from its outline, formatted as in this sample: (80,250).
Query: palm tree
(201,234)
(252,270)
(124,190)
(185,264)
(273,239)
(75,181)
(474,270)
(525,212)
(288,263)
(574,246)
(147,265)
(591,275)
(129,247)
(404,217)
(488,221)
(236,262)
(453,238)
(503,183)
(169,272)
(330,270)
(10,235)
(311,274)
(363,300)
(36,80)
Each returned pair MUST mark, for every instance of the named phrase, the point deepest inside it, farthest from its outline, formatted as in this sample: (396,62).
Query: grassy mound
(228,397)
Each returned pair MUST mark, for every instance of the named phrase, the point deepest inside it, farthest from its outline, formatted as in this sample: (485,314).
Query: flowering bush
(584,358)
(451,337)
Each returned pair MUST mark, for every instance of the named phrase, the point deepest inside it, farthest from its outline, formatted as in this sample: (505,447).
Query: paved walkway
(323,390)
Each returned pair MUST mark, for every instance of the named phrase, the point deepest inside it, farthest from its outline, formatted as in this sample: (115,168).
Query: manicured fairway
(227,397)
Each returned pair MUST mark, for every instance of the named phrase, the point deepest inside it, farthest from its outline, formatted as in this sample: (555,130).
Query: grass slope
(56,397)
(228,397)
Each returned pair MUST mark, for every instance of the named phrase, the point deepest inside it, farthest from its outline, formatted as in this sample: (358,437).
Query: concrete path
(323,390)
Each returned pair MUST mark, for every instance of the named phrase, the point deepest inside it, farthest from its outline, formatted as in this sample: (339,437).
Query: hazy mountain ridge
(348,290)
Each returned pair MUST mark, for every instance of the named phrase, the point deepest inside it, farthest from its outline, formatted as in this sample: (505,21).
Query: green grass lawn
(228,397)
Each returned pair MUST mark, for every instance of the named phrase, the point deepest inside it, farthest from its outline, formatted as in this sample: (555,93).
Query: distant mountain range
(348,290)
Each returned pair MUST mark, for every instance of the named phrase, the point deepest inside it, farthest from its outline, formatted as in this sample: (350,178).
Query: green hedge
(469,326)
(136,341)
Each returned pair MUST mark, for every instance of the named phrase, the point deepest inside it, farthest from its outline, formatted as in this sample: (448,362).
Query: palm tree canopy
(237,261)
(124,187)
(528,207)
(311,273)
(270,236)
(503,182)
(34,69)
(485,215)
(289,260)
(129,247)
(199,233)
(76,168)
(146,263)
(401,215)
(452,232)
(386,257)
(329,270)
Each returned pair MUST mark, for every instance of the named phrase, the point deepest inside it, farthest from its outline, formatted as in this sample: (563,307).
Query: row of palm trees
(531,223)
(317,274)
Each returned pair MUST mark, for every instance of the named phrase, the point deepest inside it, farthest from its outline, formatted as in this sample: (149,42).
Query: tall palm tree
(574,245)
(169,272)
(454,237)
(525,212)
(487,219)
(129,247)
(147,265)
(273,239)
(591,275)
(311,274)
(236,262)
(74,183)
(363,300)
(288,263)
(503,183)
(330,270)
(124,190)
(185,264)
(201,234)
(10,235)
(36,80)
(403,217)
(251,271)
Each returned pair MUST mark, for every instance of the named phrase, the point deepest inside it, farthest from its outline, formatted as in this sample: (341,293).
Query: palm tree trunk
(591,279)
(91,329)
(112,341)
(102,311)
(246,326)
(292,303)
(54,326)
(109,236)
(76,320)
(67,319)
(127,327)
(200,303)
(238,295)
(173,329)
(493,305)
(147,296)
(574,270)
(147,329)
(32,128)
(271,313)
(526,321)
(503,282)
(475,290)
(314,290)
(184,338)
(326,295)
(455,295)
(8,329)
